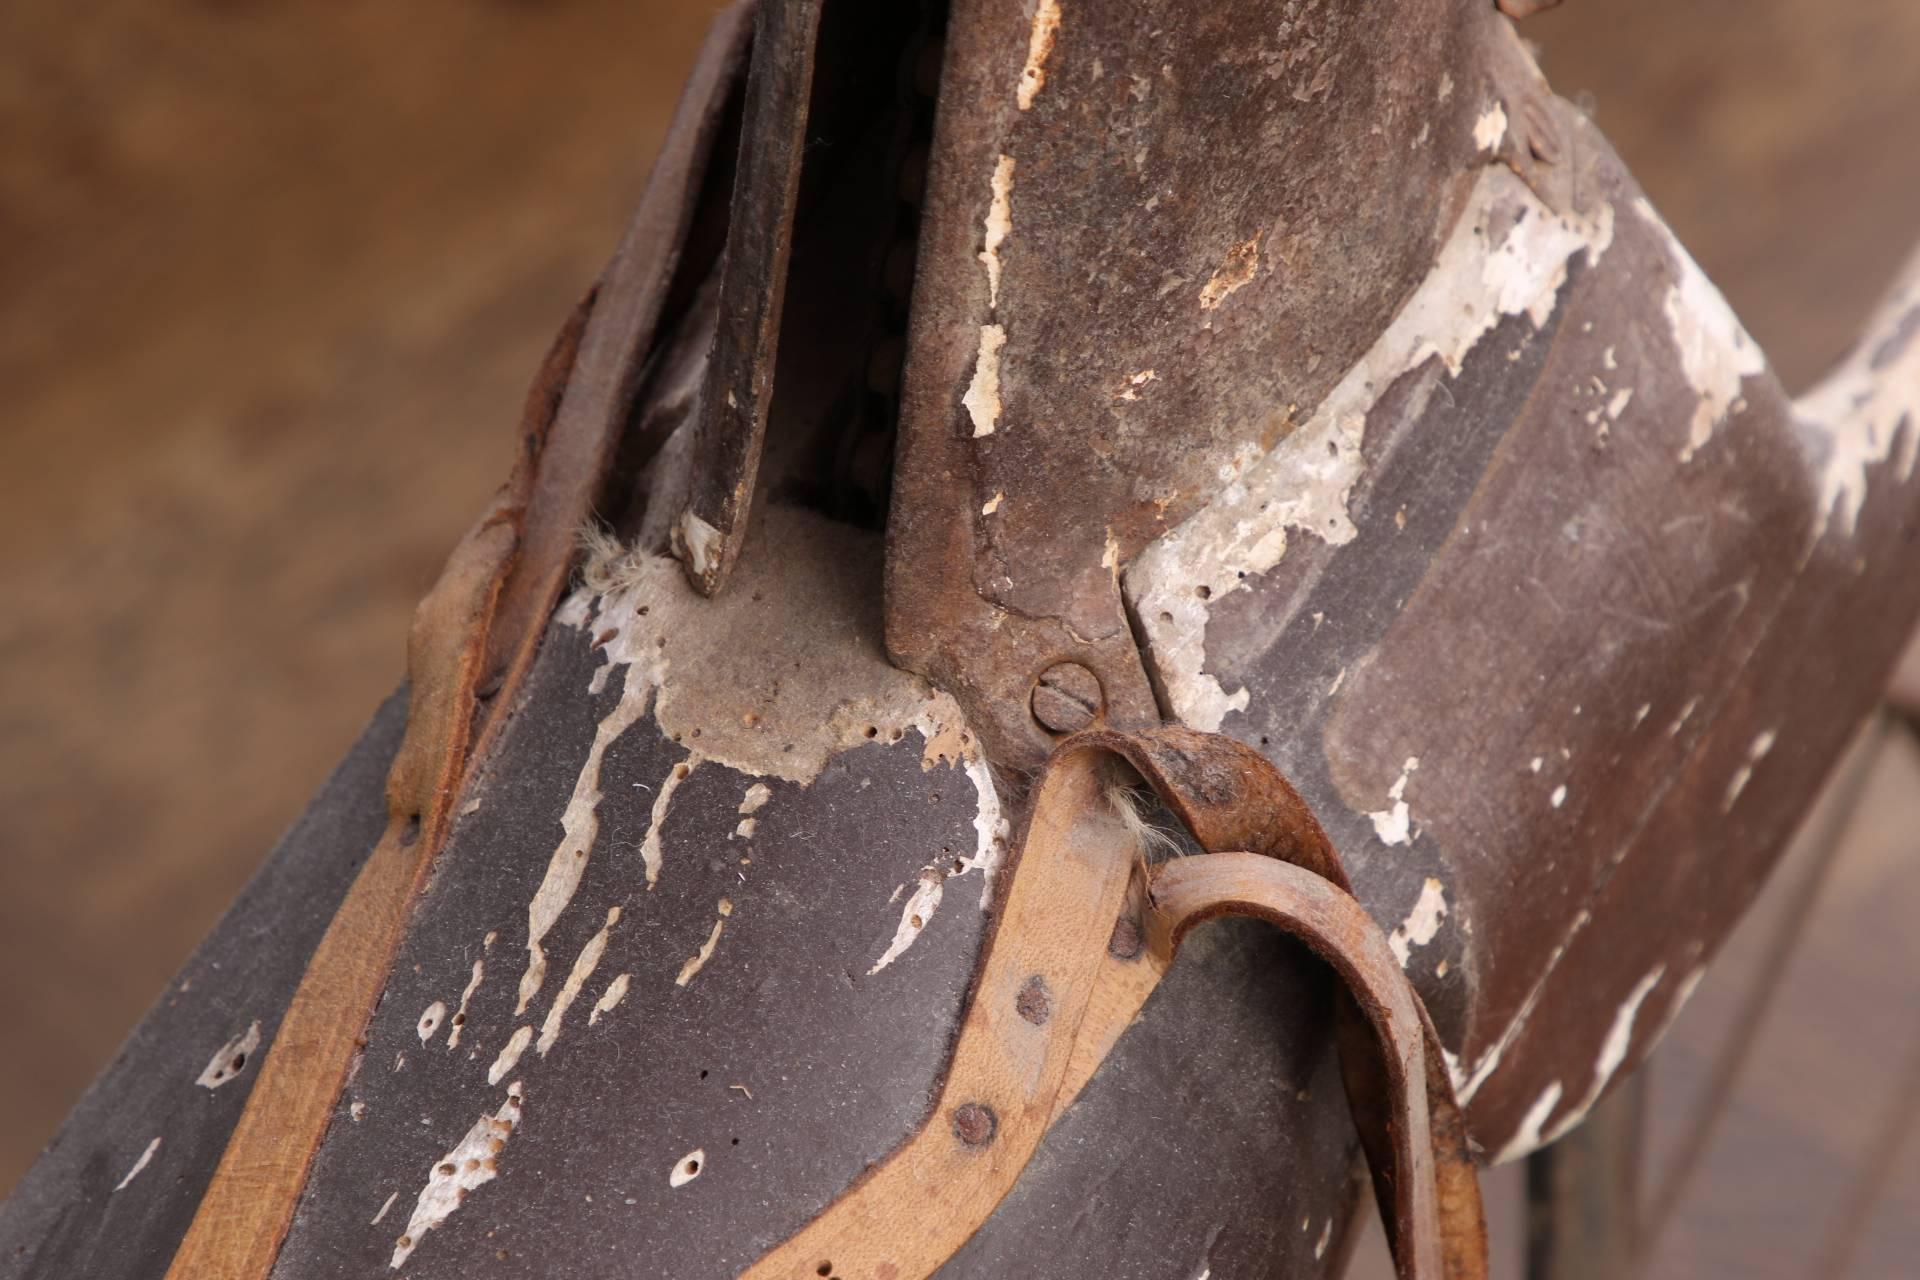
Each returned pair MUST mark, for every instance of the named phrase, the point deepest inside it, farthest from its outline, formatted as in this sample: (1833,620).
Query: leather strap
(1084,935)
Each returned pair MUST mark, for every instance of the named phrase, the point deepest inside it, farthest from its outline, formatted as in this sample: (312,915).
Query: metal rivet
(974,1124)
(1035,1002)
(1067,698)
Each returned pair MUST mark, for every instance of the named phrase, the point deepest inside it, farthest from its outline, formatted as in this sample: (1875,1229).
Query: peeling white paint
(744,829)
(1507,255)
(1559,796)
(231,1058)
(651,851)
(1033,77)
(1756,752)
(1716,353)
(580,827)
(756,798)
(1526,1138)
(430,1019)
(1394,824)
(473,985)
(1861,417)
(921,904)
(1686,714)
(1682,994)
(1467,1081)
(356,1109)
(146,1157)
(1613,1052)
(982,400)
(1131,391)
(992,504)
(583,966)
(687,1168)
(471,1164)
(610,998)
(702,542)
(1490,130)
(999,225)
(698,960)
(510,1054)
(384,1206)
(1422,923)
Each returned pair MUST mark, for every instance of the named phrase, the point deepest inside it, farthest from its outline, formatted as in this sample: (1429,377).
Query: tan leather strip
(1059,984)
(237,1229)
(1008,1066)
(479,627)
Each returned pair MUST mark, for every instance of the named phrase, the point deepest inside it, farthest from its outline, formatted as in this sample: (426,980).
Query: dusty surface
(275,281)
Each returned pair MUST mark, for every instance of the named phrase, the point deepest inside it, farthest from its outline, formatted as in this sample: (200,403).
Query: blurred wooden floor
(272,281)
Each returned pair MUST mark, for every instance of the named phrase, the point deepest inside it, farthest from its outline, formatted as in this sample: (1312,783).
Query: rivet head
(1035,1002)
(1067,698)
(974,1124)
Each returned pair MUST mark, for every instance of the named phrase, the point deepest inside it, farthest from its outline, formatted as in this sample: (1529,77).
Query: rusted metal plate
(1144,257)
(115,1189)
(732,419)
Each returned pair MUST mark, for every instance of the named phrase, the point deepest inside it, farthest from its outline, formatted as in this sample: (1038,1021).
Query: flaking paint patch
(921,904)
(471,1164)
(687,1168)
(1046,28)
(1394,824)
(430,1019)
(999,225)
(610,998)
(1716,353)
(1756,752)
(756,798)
(384,1206)
(1422,923)
(1526,1138)
(1613,1052)
(583,966)
(1468,1080)
(982,400)
(580,827)
(510,1052)
(775,700)
(1490,130)
(702,542)
(1507,255)
(146,1158)
(698,961)
(652,851)
(1866,414)
(460,1014)
(231,1058)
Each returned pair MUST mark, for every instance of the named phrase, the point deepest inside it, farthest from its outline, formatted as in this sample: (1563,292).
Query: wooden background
(273,278)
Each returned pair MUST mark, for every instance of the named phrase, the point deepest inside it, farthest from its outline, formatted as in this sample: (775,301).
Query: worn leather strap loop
(1405,1111)
(1057,988)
